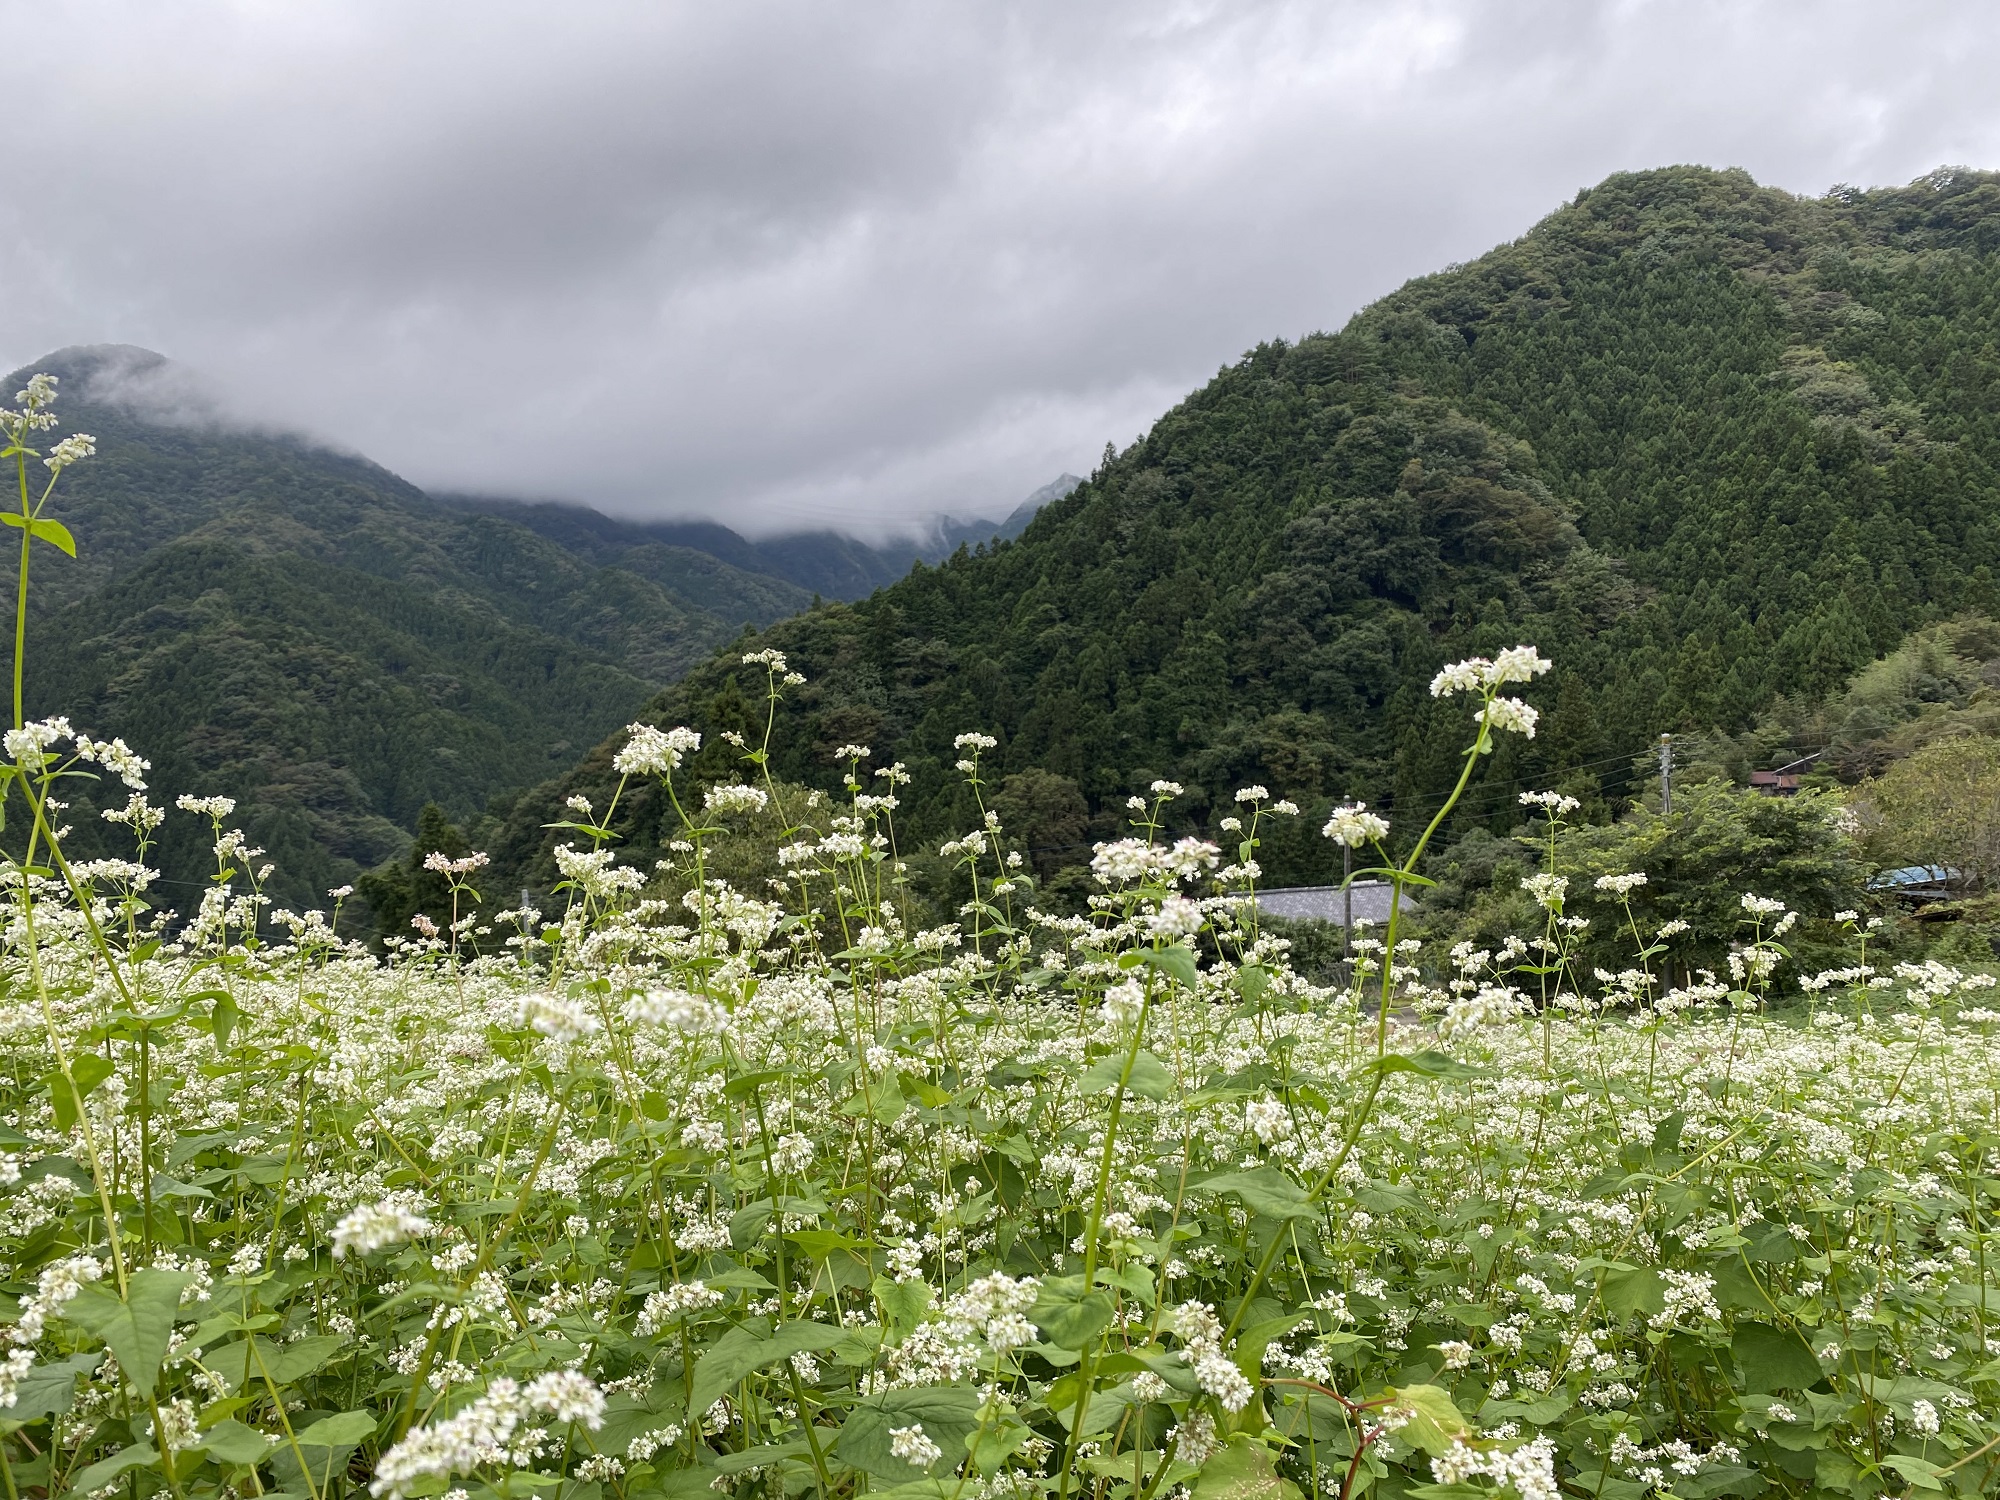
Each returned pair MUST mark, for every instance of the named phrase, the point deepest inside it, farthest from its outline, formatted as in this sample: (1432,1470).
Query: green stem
(1095,1227)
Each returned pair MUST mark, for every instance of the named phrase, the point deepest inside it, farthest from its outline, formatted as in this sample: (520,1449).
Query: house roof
(1323,903)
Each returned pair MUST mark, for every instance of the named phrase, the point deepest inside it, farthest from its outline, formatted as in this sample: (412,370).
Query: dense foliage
(1711,444)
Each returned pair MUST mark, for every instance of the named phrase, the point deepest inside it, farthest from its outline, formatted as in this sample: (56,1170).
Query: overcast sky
(849,264)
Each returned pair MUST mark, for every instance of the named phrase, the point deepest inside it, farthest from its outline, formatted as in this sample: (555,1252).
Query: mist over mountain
(826,563)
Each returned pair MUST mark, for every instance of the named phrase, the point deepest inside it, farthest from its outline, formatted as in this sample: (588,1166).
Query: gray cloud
(798,264)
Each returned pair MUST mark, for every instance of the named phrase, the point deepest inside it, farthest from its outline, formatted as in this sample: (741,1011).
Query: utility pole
(1666,774)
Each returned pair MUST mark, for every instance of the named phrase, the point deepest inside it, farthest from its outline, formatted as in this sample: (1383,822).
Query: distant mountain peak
(139,381)
(949,533)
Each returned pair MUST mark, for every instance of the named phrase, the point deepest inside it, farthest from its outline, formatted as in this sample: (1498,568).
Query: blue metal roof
(1909,875)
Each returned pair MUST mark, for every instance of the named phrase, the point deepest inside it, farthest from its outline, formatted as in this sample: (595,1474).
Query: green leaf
(1150,1078)
(1068,1315)
(298,1359)
(1175,962)
(48,531)
(1429,1065)
(1773,1359)
(101,1473)
(286,1363)
(1264,1190)
(1254,1340)
(997,1444)
(1435,1420)
(89,1070)
(222,1020)
(230,1442)
(903,1302)
(1639,1290)
(48,1390)
(1921,1472)
(1251,982)
(746,1225)
(948,1414)
(741,1352)
(880,1100)
(823,1242)
(339,1431)
(1240,1471)
(138,1327)
(746,1084)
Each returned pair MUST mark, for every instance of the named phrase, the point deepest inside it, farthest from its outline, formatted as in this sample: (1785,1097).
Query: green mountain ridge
(297,627)
(1708,444)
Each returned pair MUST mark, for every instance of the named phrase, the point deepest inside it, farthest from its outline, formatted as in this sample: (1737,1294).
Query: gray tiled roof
(1324,903)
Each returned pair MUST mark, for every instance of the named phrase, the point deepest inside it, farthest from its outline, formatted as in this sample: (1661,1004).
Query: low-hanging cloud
(790,264)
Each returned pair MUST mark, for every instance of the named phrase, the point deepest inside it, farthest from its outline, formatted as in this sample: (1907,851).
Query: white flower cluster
(561,1018)
(1621,885)
(1529,1470)
(594,873)
(673,1303)
(652,751)
(117,757)
(29,745)
(1512,715)
(1123,1003)
(78,445)
(58,1282)
(1555,804)
(997,1306)
(376,1226)
(1135,859)
(1268,1120)
(676,1008)
(723,800)
(912,1446)
(1478,675)
(1176,917)
(1488,1006)
(438,862)
(1547,890)
(1689,1296)
(481,1432)
(1353,825)
(1201,1339)
(13,1369)
(773,661)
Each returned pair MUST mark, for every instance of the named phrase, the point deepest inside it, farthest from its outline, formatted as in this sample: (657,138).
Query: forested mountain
(1706,443)
(302,630)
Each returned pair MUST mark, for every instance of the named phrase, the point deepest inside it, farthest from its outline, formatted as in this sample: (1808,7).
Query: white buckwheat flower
(1512,715)
(913,1447)
(652,751)
(376,1226)
(734,799)
(557,1017)
(1354,826)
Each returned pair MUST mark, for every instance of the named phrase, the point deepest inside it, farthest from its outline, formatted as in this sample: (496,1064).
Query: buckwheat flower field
(781,1192)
